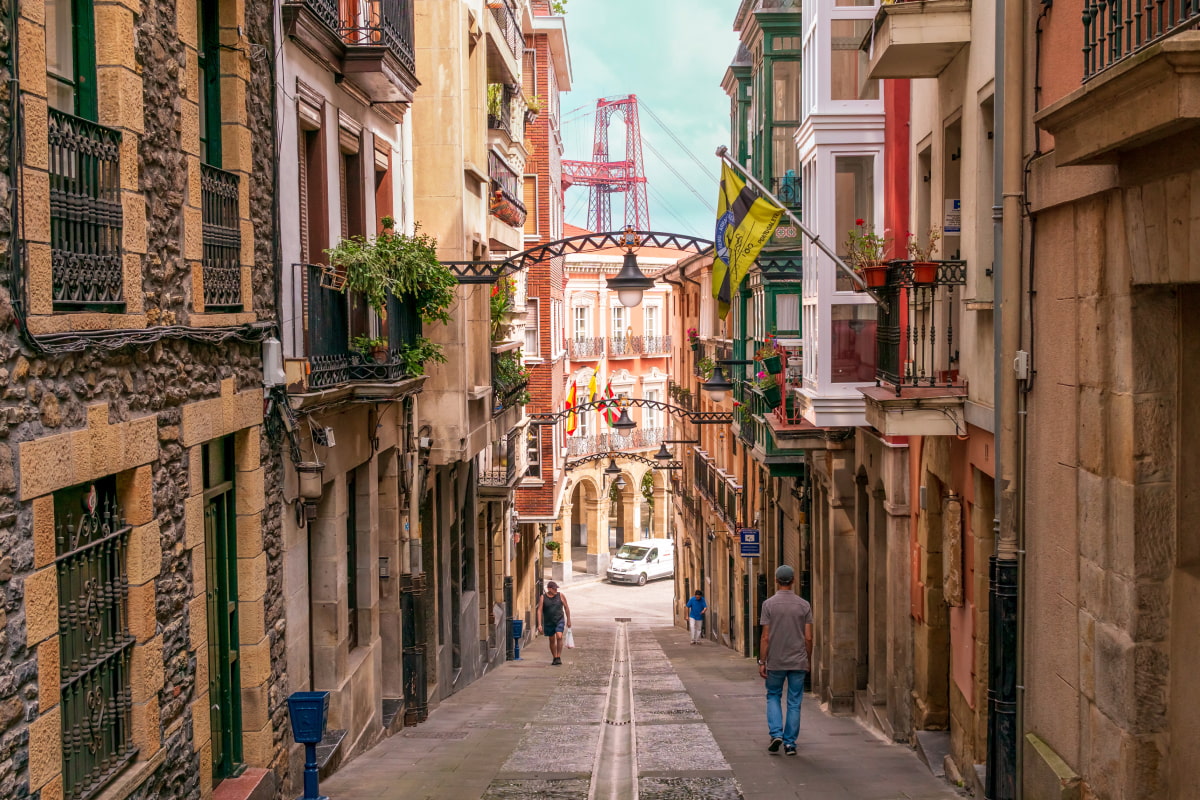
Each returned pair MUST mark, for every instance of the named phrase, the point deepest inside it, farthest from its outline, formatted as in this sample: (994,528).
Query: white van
(643,560)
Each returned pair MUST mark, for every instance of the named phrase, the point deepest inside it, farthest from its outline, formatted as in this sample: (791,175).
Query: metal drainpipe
(1003,776)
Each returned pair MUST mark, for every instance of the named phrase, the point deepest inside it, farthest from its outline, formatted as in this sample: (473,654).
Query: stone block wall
(74,410)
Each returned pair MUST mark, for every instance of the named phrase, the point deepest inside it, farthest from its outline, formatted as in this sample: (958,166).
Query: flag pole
(723,154)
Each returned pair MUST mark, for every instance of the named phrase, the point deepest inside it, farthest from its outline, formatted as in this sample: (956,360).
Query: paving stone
(678,747)
(555,748)
(650,707)
(688,789)
(567,789)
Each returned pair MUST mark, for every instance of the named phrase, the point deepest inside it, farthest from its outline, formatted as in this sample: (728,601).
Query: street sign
(751,543)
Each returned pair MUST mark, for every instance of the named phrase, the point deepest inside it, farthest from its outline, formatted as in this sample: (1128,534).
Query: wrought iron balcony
(505,14)
(586,347)
(505,462)
(915,345)
(501,99)
(509,381)
(222,265)
(787,189)
(652,345)
(369,39)
(621,346)
(326,336)
(638,439)
(1114,31)
(506,202)
(682,396)
(85,215)
(717,487)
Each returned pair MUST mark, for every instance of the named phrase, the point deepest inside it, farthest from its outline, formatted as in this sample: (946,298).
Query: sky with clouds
(672,54)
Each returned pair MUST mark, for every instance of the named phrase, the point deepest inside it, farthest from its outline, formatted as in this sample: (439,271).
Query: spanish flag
(745,221)
(571,416)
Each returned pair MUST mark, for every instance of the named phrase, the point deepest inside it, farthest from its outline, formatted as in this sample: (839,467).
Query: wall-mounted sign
(953,221)
(751,542)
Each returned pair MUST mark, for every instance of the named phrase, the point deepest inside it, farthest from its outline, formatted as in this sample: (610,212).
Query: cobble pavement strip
(695,718)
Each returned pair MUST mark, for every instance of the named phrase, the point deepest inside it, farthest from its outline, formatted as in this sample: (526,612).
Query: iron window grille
(222,265)
(95,645)
(85,215)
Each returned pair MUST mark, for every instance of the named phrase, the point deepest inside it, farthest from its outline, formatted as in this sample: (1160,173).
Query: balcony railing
(505,203)
(652,345)
(682,396)
(717,487)
(638,439)
(1114,30)
(222,264)
(85,215)
(509,384)
(621,346)
(502,97)
(586,347)
(915,345)
(506,460)
(381,22)
(331,362)
(787,189)
(506,19)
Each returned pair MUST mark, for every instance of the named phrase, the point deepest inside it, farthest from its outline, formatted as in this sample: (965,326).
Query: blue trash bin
(518,630)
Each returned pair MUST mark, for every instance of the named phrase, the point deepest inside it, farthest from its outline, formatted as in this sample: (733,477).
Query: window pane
(60,55)
(847,68)
(854,199)
(784,156)
(531,328)
(785,94)
(581,322)
(853,335)
(787,312)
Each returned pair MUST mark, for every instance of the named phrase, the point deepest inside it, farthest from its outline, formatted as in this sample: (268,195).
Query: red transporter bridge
(605,177)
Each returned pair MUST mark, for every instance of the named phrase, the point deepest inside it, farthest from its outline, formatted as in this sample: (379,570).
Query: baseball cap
(785,574)
(551,585)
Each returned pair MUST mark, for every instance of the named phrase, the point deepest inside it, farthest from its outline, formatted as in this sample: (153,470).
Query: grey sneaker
(775,744)
(790,750)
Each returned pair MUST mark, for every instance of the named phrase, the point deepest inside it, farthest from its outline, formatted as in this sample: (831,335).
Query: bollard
(518,627)
(308,711)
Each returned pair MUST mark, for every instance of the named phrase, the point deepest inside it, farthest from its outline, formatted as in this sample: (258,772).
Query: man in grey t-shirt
(785,652)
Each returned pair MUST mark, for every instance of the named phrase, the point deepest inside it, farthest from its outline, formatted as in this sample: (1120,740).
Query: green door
(220,547)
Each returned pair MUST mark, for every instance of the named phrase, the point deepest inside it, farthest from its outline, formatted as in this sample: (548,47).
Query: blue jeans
(789,730)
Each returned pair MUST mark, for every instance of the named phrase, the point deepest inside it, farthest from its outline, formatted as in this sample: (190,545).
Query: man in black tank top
(553,618)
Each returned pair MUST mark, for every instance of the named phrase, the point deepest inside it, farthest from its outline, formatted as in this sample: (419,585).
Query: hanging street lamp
(663,453)
(624,424)
(717,385)
(612,468)
(630,282)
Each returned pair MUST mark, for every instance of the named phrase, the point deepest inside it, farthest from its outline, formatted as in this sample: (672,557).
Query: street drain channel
(614,773)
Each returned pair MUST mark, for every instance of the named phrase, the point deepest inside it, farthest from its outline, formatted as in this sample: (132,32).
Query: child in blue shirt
(696,608)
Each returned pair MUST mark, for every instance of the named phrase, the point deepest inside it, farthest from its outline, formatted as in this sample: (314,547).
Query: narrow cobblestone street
(531,730)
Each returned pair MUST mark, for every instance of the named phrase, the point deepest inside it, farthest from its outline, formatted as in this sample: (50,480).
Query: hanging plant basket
(772,395)
(924,272)
(773,364)
(333,278)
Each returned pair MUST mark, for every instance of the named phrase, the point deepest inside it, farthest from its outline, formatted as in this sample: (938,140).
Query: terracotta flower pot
(924,272)
(875,276)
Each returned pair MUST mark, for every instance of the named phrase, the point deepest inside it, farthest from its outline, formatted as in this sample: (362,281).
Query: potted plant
(404,266)
(924,267)
(552,547)
(767,386)
(768,354)
(502,303)
(415,356)
(865,249)
(705,367)
(533,107)
(374,347)
(744,414)
(693,337)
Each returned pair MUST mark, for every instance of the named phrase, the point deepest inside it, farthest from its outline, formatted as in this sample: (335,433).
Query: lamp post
(624,424)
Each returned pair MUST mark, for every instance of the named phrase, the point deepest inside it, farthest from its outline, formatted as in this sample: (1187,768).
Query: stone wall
(52,402)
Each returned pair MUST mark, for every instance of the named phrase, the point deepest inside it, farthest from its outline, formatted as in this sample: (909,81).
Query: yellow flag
(745,221)
(591,395)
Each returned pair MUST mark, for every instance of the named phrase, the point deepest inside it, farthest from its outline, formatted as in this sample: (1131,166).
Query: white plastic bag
(569,638)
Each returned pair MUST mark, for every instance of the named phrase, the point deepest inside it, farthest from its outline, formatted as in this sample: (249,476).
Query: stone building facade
(142,625)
